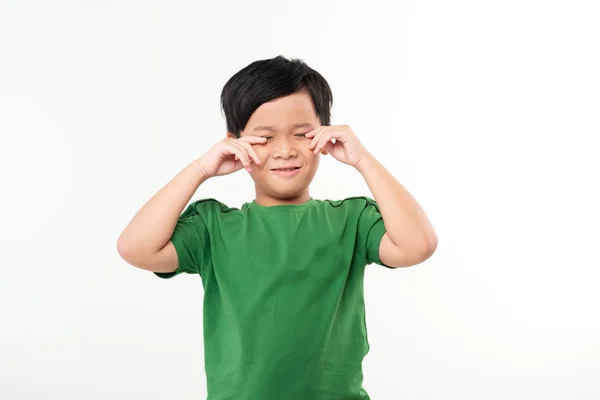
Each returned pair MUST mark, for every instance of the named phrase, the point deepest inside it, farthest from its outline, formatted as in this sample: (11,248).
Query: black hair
(266,80)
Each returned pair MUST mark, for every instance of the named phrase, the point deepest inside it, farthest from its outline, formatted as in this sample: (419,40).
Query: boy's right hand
(230,155)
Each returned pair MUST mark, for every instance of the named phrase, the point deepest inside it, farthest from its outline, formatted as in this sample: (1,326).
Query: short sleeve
(370,231)
(191,241)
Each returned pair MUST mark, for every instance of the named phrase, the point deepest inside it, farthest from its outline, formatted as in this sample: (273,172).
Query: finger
(238,165)
(311,133)
(253,139)
(316,135)
(325,138)
(251,151)
(248,156)
(241,153)
(248,141)
(246,161)
(238,144)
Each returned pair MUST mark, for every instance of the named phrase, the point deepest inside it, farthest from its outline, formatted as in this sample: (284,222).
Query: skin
(286,145)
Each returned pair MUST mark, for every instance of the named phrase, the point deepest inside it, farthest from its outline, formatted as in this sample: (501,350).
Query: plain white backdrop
(487,112)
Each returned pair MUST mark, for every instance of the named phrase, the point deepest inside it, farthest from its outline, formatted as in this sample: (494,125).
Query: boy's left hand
(347,148)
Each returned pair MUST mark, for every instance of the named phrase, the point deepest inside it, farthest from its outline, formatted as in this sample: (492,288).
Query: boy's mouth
(286,172)
(285,169)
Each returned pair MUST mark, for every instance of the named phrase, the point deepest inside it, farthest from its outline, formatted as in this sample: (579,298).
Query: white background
(486,111)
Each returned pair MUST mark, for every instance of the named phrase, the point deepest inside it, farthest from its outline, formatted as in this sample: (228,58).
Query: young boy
(284,315)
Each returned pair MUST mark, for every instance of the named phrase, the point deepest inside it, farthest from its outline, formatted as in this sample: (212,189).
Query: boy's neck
(268,201)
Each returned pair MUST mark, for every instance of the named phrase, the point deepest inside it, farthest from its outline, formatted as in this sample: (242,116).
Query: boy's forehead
(290,112)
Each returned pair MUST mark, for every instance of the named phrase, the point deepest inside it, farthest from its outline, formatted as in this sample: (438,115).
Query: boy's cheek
(262,154)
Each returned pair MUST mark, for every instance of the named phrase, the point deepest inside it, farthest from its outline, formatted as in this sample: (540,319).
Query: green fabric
(284,314)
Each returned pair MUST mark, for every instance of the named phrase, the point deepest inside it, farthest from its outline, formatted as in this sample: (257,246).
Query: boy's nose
(285,149)
(285,153)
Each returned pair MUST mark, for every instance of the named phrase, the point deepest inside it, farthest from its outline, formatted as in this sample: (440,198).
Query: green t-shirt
(284,314)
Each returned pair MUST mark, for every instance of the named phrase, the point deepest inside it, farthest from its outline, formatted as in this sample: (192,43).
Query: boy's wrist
(199,168)
(364,162)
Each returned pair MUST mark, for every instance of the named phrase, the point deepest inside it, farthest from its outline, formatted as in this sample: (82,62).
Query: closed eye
(297,134)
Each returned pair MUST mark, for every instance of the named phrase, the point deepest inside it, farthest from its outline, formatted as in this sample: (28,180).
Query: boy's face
(284,122)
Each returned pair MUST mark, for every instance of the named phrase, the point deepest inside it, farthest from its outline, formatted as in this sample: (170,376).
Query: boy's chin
(287,191)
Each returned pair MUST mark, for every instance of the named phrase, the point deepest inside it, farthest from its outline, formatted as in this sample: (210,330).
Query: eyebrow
(273,129)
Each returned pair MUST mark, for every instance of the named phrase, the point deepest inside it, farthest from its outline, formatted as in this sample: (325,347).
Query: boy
(283,275)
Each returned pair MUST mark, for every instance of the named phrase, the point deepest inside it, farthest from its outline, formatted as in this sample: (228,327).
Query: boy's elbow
(429,249)
(123,250)
(126,251)
(164,260)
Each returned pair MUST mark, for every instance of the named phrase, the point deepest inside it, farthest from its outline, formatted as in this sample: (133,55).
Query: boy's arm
(410,238)
(145,242)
